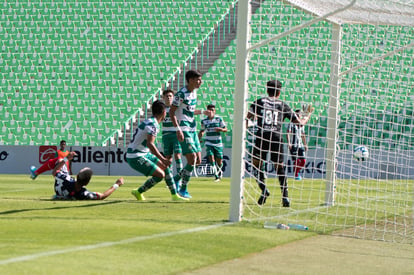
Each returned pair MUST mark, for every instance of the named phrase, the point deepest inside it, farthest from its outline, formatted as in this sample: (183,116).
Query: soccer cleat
(139,196)
(184,194)
(298,177)
(263,197)
(177,197)
(285,202)
(32,172)
(217,179)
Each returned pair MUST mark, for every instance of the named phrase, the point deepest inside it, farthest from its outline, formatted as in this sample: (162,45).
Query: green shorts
(146,164)
(217,152)
(191,144)
(170,144)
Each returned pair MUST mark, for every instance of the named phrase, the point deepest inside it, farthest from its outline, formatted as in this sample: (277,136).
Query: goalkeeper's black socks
(281,173)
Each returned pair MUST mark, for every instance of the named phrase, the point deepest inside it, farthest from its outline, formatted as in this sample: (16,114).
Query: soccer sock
(185,175)
(219,171)
(281,173)
(178,165)
(46,167)
(297,167)
(214,168)
(149,184)
(302,163)
(169,180)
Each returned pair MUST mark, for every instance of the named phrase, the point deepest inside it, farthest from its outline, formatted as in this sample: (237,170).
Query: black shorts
(272,145)
(297,153)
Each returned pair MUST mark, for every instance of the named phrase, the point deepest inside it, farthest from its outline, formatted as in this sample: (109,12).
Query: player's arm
(200,134)
(58,166)
(307,112)
(222,128)
(204,112)
(250,115)
(107,193)
(62,162)
(154,150)
(288,137)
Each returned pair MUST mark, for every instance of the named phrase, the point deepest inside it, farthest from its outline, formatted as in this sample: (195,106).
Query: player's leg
(211,160)
(218,155)
(146,165)
(192,151)
(219,160)
(177,157)
(277,156)
(294,156)
(47,166)
(301,162)
(260,149)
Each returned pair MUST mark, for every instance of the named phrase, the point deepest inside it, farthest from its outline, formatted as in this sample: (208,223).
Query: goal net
(353,61)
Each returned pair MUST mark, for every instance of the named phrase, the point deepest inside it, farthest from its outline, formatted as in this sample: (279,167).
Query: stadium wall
(111,161)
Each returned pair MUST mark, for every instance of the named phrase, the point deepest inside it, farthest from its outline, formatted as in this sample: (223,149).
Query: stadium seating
(67,65)
(81,70)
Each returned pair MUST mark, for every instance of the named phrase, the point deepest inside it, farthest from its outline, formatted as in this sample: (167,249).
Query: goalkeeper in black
(269,113)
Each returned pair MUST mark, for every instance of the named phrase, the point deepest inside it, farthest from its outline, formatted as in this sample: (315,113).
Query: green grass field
(120,234)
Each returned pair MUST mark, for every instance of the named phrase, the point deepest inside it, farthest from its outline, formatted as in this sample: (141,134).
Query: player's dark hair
(211,106)
(192,74)
(167,91)
(274,87)
(158,107)
(84,176)
(62,141)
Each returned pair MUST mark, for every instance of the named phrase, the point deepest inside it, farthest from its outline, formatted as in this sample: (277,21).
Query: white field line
(108,244)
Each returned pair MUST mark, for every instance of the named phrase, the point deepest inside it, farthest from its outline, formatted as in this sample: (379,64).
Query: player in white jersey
(297,146)
(213,125)
(144,157)
(182,113)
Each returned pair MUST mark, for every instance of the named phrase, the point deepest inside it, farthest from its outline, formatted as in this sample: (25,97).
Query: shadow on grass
(58,207)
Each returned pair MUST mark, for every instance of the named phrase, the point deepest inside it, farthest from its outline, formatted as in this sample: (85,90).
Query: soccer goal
(353,61)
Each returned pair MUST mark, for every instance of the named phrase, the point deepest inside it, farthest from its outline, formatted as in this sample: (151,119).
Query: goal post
(239,129)
(353,62)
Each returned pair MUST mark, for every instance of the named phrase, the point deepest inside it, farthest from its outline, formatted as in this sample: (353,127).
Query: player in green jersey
(171,145)
(213,125)
(144,157)
(182,113)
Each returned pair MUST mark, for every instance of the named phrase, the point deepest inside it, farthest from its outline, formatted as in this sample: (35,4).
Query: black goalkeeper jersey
(270,113)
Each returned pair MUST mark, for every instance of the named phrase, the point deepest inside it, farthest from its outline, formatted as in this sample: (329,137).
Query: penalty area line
(109,244)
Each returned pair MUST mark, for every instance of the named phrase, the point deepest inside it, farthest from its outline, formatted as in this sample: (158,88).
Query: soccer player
(68,188)
(214,126)
(270,112)
(171,145)
(144,157)
(297,146)
(61,153)
(182,113)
